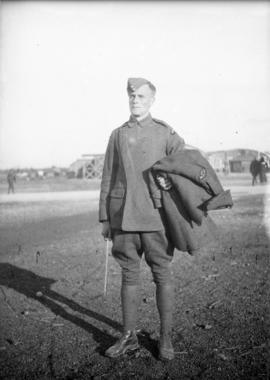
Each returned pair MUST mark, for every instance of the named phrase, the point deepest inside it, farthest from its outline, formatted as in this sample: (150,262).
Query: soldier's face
(141,100)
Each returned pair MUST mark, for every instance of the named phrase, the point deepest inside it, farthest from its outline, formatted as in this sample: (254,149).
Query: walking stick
(106,267)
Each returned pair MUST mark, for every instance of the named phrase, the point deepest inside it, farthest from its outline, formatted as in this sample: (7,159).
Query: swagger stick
(106,267)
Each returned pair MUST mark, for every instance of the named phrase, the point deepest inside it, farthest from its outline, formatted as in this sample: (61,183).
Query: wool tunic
(133,148)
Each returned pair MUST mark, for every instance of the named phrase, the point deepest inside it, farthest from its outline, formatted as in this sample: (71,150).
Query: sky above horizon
(65,65)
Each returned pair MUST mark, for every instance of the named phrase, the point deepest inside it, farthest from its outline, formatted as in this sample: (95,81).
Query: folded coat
(195,190)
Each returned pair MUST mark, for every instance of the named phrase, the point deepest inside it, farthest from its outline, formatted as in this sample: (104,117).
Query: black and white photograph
(134,190)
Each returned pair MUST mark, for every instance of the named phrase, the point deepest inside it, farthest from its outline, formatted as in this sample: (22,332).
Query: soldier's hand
(106,230)
(164,182)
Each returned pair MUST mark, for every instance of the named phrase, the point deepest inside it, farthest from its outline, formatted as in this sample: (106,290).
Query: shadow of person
(39,288)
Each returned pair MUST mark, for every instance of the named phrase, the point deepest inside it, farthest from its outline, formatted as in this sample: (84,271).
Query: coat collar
(142,123)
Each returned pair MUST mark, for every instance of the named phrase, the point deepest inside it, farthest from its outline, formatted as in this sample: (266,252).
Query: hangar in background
(235,160)
(223,161)
(88,166)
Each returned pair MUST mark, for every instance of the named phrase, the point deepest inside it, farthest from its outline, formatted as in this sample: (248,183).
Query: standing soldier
(263,169)
(254,170)
(128,215)
(11,179)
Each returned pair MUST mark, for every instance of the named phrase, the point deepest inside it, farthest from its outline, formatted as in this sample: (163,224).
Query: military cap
(134,83)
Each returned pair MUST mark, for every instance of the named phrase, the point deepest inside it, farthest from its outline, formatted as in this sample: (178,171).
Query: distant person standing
(254,170)
(11,179)
(263,170)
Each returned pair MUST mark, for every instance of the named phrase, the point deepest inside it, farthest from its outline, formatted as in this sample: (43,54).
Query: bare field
(56,322)
(51,185)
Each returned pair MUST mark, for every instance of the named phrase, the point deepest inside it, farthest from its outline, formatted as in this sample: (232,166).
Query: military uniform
(125,200)
(11,178)
(134,216)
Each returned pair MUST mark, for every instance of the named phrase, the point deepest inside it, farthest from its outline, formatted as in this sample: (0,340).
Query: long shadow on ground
(39,289)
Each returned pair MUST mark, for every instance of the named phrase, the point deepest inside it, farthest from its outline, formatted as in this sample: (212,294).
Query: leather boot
(127,342)
(164,295)
(165,353)
(129,302)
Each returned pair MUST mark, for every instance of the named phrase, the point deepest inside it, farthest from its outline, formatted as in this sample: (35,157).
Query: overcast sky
(64,68)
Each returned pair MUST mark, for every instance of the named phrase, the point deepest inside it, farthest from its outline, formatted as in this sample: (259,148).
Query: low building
(88,166)
(224,161)
(235,160)
(91,165)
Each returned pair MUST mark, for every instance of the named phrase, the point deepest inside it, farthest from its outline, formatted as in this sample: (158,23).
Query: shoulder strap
(164,124)
(123,125)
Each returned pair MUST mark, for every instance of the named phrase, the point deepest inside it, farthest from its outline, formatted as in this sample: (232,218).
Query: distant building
(224,161)
(91,165)
(235,160)
(88,166)
(33,174)
(22,175)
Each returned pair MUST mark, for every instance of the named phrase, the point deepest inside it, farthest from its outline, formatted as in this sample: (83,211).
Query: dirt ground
(56,322)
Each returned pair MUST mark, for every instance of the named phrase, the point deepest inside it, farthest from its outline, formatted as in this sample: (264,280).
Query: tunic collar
(142,123)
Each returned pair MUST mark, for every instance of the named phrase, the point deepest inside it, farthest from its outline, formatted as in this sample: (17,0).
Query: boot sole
(165,354)
(125,350)
(166,358)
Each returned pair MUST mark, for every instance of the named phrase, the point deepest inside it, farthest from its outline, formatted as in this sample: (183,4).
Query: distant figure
(254,170)
(226,168)
(11,178)
(263,170)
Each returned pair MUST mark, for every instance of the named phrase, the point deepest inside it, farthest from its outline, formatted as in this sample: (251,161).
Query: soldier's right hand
(106,230)
(163,182)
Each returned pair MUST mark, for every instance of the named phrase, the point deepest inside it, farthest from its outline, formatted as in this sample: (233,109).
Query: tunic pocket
(116,207)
